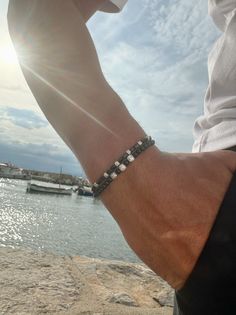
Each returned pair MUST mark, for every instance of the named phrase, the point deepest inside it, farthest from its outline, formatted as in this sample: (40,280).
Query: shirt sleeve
(113,6)
(222,12)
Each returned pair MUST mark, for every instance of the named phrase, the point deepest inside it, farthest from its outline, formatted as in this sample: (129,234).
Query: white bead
(113,175)
(95,185)
(117,163)
(140,142)
(122,167)
(105,175)
(128,151)
(130,158)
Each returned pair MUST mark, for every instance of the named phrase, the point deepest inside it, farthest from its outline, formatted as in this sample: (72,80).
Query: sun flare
(8,55)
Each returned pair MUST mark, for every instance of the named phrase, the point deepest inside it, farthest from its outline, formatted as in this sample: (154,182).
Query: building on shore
(8,170)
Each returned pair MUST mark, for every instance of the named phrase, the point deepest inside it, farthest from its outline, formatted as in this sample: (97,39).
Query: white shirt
(216,128)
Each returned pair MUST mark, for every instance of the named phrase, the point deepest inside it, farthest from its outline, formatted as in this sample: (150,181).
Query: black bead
(126,162)
(118,171)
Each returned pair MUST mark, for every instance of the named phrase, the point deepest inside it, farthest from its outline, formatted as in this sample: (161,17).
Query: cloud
(39,157)
(28,141)
(13,88)
(158,64)
(25,118)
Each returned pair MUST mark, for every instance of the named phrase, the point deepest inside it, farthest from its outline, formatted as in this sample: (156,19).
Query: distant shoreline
(8,170)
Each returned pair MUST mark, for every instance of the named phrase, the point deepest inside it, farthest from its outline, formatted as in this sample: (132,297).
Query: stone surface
(122,298)
(35,283)
(164,298)
(42,283)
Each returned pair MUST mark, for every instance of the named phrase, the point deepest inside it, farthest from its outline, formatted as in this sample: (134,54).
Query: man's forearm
(64,75)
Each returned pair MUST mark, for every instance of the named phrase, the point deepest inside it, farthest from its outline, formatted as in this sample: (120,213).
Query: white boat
(34,188)
(85,191)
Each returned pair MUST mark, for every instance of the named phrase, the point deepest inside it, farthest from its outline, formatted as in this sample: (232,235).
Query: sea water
(66,225)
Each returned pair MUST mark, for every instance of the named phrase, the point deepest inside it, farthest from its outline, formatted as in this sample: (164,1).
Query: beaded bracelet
(121,164)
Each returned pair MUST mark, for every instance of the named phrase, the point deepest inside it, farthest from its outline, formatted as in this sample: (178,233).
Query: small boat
(33,188)
(85,191)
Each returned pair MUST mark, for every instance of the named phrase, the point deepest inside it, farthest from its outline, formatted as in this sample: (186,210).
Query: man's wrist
(115,133)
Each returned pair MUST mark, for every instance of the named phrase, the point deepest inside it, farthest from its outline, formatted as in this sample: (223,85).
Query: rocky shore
(43,283)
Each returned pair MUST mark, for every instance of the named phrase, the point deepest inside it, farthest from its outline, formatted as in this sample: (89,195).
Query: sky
(154,54)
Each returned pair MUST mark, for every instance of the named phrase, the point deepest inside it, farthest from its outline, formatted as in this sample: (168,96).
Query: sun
(8,55)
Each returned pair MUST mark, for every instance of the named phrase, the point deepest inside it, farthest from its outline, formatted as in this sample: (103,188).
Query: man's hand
(166,205)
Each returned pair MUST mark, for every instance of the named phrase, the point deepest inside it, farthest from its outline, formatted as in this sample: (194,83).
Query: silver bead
(130,158)
(106,175)
(122,167)
(113,175)
(128,151)
(95,185)
(140,142)
(117,163)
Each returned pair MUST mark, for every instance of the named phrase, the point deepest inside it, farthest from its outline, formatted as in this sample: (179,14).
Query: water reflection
(62,224)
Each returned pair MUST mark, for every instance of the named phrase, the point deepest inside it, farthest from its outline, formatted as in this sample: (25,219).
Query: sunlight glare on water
(60,224)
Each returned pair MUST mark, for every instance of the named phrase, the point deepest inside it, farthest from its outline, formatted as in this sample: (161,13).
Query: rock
(35,283)
(165,298)
(123,298)
(138,280)
(126,269)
